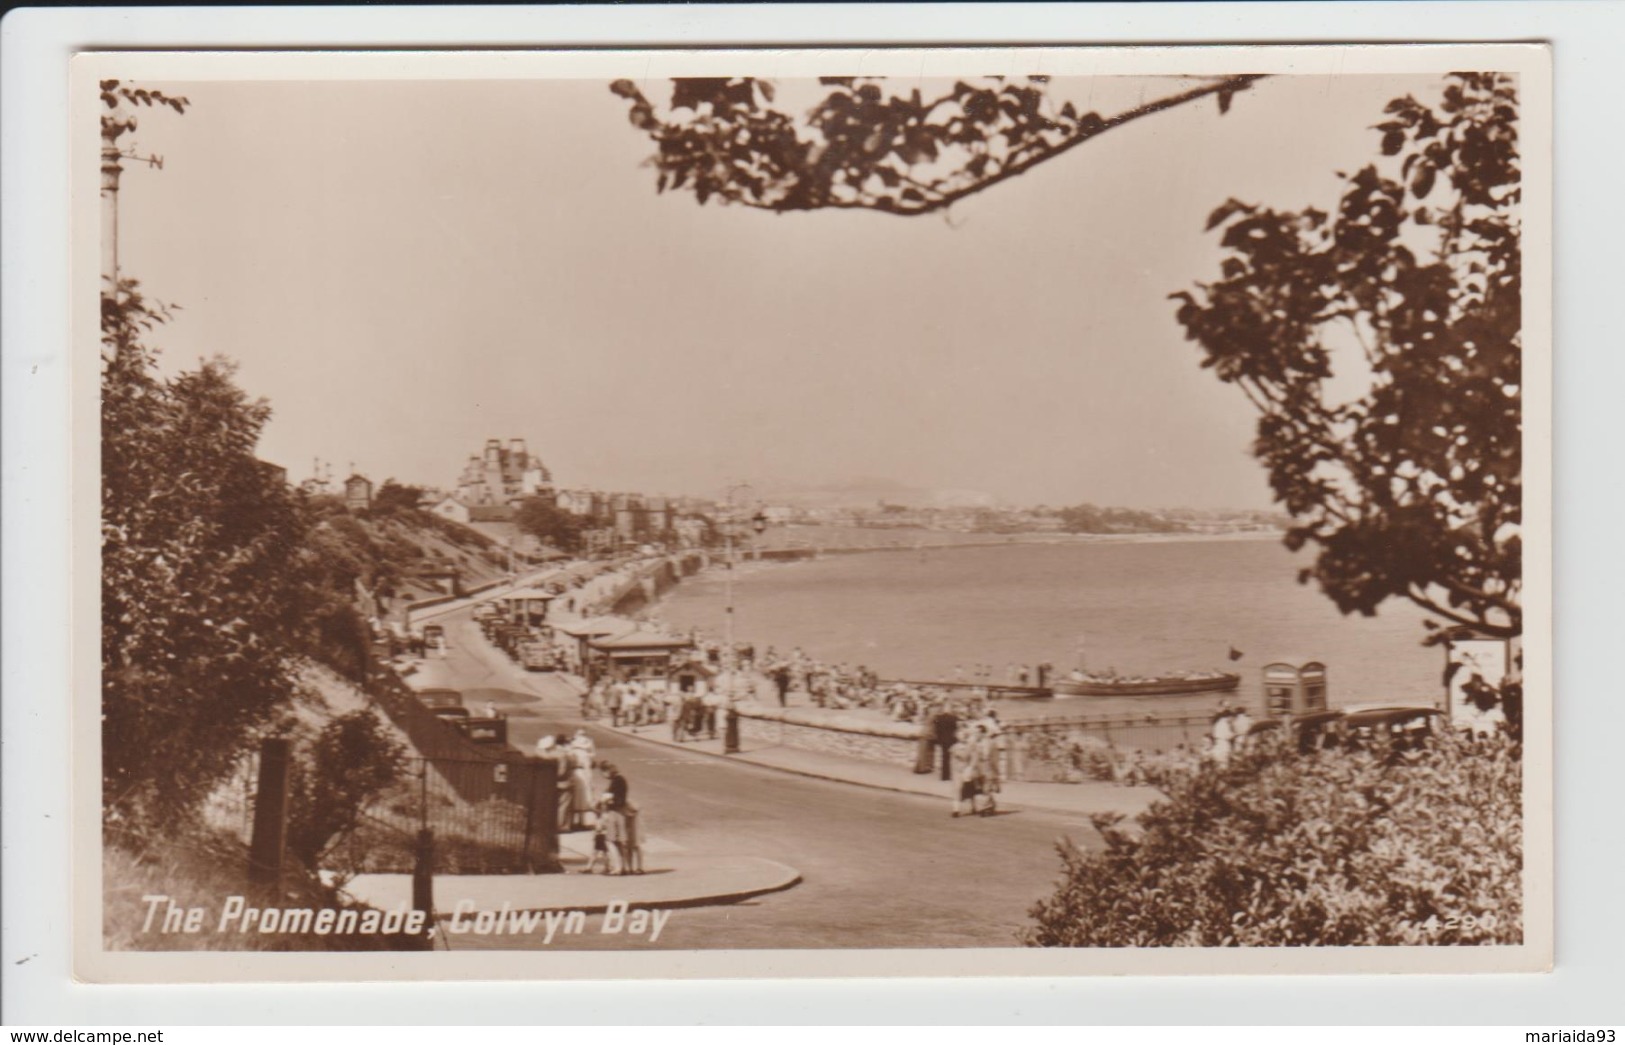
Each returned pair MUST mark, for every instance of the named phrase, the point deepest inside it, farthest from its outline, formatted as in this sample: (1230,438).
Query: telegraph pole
(117,121)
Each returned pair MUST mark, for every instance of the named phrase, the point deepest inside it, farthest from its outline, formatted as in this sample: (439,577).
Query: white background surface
(34,948)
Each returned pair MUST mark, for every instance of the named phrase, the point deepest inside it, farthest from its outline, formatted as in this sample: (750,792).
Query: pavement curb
(792,879)
(810,774)
(776,878)
(747,760)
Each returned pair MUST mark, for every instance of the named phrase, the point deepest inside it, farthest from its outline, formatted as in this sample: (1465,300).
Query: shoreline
(785,555)
(949,539)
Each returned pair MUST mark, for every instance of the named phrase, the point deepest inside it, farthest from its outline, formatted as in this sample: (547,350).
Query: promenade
(769,845)
(1086,798)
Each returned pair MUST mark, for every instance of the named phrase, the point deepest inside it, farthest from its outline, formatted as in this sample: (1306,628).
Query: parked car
(484,730)
(536,656)
(434,699)
(1405,726)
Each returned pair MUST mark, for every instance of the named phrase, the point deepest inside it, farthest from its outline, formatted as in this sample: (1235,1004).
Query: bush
(351,762)
(198,868)
(1334,848)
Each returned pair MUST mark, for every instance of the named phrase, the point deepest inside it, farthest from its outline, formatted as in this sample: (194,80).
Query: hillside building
(502,475)
(358,493)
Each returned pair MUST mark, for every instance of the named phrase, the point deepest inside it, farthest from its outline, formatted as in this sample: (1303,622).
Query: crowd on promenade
(796,677)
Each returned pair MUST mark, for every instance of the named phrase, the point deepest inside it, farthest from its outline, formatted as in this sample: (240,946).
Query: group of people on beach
(606,810)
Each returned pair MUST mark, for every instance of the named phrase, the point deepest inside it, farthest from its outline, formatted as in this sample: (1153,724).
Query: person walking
(991,742)
(580,763)
(924,761)
(555,749)
(967,776)
(945,729)
(624,830)
(711,701)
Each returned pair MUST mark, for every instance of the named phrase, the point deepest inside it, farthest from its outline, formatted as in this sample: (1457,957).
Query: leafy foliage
(116,120)
(861,147)
(114,92)
(395,497)
(1412,489)
(549,523)
(201,614)
(1331,848)
(352,760)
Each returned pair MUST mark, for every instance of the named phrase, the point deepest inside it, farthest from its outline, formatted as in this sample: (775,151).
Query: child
(600,840)
(631,841)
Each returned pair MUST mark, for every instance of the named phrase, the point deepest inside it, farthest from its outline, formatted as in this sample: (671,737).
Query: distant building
(502,475)
(585,503)
(358,493)
(449,507)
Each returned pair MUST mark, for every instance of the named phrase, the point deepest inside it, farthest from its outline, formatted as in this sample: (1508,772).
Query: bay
(1138,607)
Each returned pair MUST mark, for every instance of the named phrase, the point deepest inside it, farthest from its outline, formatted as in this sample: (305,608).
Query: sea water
(1138,608)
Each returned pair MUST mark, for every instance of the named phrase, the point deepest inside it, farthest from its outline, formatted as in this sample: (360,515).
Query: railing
(994,690)
(487,817)
(1118,747)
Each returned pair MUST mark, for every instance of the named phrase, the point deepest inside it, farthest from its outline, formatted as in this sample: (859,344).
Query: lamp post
(731,662)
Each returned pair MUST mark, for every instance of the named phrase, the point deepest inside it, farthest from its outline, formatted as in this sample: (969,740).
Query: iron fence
(486,816)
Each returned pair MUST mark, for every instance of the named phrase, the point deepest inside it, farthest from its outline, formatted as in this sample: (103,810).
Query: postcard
(600,514)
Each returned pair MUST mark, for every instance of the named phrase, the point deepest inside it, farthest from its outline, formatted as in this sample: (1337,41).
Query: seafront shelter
(648,655)
(585,629)
(527,606)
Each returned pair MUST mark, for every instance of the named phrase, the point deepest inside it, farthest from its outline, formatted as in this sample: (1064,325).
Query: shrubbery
(1278,848)
(350,762)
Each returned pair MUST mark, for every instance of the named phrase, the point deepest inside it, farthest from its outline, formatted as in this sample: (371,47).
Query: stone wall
(832,733)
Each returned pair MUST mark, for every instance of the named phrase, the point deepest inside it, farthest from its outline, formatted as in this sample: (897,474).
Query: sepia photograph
(671,513)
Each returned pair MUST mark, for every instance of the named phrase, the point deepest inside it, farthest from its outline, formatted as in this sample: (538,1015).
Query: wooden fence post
(270,836)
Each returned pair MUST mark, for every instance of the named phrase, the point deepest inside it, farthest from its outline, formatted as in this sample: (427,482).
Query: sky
(406,269)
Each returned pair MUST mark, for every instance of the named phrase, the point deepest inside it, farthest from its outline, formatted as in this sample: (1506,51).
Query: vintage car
(537,656)
(1404,726)
(447,702)
(483,730)
(1360,726)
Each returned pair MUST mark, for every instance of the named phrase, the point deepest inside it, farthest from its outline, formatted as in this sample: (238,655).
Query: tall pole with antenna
(117,121)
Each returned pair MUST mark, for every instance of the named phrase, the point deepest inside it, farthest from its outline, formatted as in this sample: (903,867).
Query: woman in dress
(580,765)
(968,765)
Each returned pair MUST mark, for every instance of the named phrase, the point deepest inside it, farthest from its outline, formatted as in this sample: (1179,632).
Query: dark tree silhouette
(396,497)
(203,605)
(862,148)
(1414,488)
(550,524)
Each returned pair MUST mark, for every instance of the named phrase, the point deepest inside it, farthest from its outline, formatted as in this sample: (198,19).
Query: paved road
(879,869)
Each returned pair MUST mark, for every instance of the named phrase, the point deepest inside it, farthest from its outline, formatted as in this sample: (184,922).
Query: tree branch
(1225,87)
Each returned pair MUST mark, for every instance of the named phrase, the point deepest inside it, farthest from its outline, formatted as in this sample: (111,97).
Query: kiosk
(645,655)
(527,607)
(1294,687)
